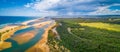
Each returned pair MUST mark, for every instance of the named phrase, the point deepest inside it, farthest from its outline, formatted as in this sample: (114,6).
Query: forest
(85,37)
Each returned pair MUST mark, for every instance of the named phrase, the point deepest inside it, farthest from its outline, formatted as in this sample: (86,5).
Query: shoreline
(42,46)
(9,31)
(25,37)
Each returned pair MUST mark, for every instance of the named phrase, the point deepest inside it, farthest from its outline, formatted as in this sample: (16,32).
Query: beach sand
(4,45)
(41,46)
(8,31)
(25,37)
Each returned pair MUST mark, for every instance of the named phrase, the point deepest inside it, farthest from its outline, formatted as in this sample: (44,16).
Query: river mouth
(23,47)
(16,47)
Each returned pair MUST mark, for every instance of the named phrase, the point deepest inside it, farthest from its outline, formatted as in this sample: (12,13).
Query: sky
(59,7)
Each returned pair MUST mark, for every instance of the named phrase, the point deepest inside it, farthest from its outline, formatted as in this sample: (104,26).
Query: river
(22,48)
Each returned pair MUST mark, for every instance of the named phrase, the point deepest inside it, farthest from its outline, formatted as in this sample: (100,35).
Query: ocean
(4,20)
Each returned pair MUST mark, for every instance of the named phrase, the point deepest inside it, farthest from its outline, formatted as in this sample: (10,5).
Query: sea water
(5,20)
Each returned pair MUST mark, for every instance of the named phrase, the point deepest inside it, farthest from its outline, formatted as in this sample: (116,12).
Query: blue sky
(59,7)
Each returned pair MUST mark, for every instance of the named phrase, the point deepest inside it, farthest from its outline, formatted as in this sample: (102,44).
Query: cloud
(48,4)
(106,11)
(44,4)
(27,5)
(108,2)
(73,7)
(48,13)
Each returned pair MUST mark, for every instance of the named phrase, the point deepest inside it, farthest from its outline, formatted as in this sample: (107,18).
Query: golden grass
(113,27)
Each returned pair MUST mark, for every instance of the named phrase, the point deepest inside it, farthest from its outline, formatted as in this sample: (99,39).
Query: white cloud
(69,3)
(45,4)
(48,13)
(74,13)
(28,5)
(85,0)
(42,6)
(70,7)
(106,11)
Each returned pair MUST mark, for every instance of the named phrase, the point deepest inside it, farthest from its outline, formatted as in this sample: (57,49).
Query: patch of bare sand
(41,46)
(7,32)
(56,33)
(25,23)
(25,37)
(4,45)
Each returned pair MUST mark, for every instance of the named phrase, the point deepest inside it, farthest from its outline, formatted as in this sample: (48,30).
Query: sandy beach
(41,46)
(8,31)
(25,37)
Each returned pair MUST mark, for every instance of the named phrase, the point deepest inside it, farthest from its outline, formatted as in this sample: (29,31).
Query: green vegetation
(53,43)
(113,27)
(7,30)
(85,38)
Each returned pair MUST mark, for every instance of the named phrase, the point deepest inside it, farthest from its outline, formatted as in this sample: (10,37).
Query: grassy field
(113,27)
(101,35)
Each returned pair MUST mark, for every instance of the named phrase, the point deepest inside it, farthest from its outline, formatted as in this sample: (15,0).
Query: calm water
(22,48)
(24,30)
